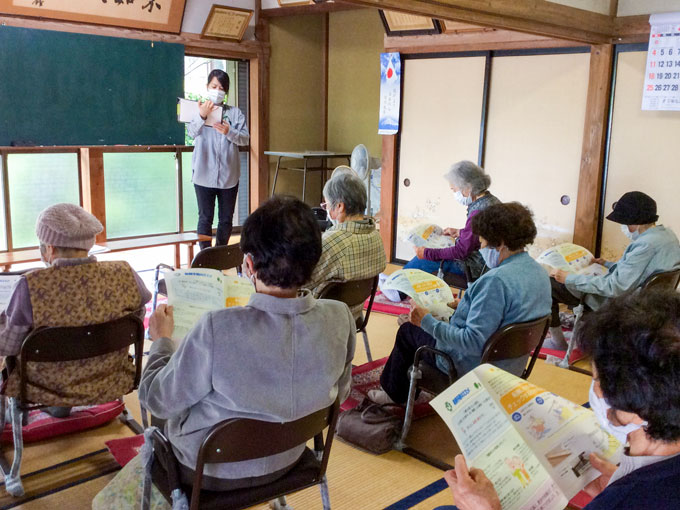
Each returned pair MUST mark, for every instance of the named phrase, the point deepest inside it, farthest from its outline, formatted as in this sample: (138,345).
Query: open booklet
(187,110)
(571,258)
(429,236)
(427,290)
(532,444)
(193,292)
(7,283)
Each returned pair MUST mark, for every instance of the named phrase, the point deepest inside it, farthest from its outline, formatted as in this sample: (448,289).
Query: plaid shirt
(352,250)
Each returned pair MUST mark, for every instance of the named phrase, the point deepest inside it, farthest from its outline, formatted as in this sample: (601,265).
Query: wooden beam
(297,10)
(92,182)
(531,16)
(482,40)
(594,146)
(193,42)
(388,193)
(630,29)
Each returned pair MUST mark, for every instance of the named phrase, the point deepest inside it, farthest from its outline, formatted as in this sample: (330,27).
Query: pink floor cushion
(126,449)
(43,426)
(384,305)
(366,377)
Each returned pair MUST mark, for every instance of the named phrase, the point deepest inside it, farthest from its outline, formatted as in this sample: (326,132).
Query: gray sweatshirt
(275,359)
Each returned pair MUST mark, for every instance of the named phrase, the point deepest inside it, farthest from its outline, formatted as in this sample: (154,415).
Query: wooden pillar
(259,116)
(92,182)
(594,146)
(388,194)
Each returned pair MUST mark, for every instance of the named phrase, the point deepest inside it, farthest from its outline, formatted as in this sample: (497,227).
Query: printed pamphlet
(7,283)
(426,290)
(193,292)
(429,236)
(571,258)
(532,444)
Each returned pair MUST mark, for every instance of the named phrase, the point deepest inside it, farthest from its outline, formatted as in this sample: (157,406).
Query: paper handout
(532,444)
(429,236)
(427,290)
(572,259)
(187,110)
(193,292)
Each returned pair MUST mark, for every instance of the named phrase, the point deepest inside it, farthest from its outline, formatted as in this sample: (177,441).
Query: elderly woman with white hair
(352,248)
(470,186)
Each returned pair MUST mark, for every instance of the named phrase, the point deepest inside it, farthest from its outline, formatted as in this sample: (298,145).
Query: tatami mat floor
(357,480)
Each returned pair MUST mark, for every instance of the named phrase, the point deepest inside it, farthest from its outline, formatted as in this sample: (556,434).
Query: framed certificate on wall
(400,23)
(226,23)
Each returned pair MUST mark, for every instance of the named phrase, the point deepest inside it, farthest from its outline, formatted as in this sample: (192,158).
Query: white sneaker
(391,294)
(379,396)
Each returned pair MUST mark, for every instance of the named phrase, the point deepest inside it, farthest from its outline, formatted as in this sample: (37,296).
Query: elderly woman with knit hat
(74,290)
(653,249)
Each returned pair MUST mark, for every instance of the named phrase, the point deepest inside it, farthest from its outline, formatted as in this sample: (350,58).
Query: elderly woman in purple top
(470,185)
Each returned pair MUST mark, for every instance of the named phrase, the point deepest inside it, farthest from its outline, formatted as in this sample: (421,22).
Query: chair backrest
(237,440)
(353,293)
(54,344)
(667,279)
(219,257)
(515,340)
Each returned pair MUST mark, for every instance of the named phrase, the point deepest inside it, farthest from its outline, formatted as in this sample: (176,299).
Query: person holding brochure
(653,249)
(470,186)
(282,356)
(516,289)
(215,162)
(634,341)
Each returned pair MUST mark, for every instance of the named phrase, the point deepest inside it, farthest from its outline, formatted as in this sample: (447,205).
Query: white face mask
(600,408)
(246,270)
(462,199)
(216,95)
(630,235)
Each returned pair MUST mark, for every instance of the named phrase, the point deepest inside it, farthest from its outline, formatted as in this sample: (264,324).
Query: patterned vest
(80,295)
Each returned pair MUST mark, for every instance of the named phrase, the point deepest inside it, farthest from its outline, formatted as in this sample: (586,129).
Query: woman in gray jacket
(281,357)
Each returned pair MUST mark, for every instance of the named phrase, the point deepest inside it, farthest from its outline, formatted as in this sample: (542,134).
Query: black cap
(634,208)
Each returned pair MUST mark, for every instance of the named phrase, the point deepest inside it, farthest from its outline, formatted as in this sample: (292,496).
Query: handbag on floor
(370,426)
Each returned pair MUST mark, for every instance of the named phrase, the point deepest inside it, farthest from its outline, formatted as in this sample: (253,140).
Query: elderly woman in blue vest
(470,186)
(653,249)
(516,289)
(215,163)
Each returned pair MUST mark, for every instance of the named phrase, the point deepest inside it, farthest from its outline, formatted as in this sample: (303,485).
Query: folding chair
(664,279)
(455,280)
(354,293)
(239,440)
(58,344)
(217,257)
(509,342)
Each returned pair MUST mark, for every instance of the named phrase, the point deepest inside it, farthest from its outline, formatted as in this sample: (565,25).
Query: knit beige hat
(67,226)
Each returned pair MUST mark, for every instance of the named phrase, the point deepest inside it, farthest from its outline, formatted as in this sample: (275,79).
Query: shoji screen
(534,135)
(441,117)
(643,152)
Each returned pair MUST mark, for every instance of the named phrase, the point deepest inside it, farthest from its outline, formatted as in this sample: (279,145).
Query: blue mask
(490,256)
(630,235)
(462,199)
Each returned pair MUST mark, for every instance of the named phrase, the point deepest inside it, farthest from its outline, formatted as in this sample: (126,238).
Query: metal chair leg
(366,346)
(578,312)
(325,496)
(414,374)
(280,504)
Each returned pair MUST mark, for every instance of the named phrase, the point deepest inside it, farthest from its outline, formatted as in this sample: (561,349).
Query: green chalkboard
(59,88)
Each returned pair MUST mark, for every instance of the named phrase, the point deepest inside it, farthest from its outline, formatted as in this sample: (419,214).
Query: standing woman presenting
(215,162)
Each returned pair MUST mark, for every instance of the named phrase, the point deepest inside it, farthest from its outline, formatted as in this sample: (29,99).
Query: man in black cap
(654,249)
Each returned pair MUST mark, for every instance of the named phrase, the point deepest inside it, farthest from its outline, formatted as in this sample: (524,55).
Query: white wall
(635,7)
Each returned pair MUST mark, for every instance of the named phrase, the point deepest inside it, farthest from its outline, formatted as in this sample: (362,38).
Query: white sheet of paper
(7,284)
(187,110)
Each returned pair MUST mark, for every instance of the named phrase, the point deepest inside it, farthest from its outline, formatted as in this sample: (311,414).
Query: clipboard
(187,110)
